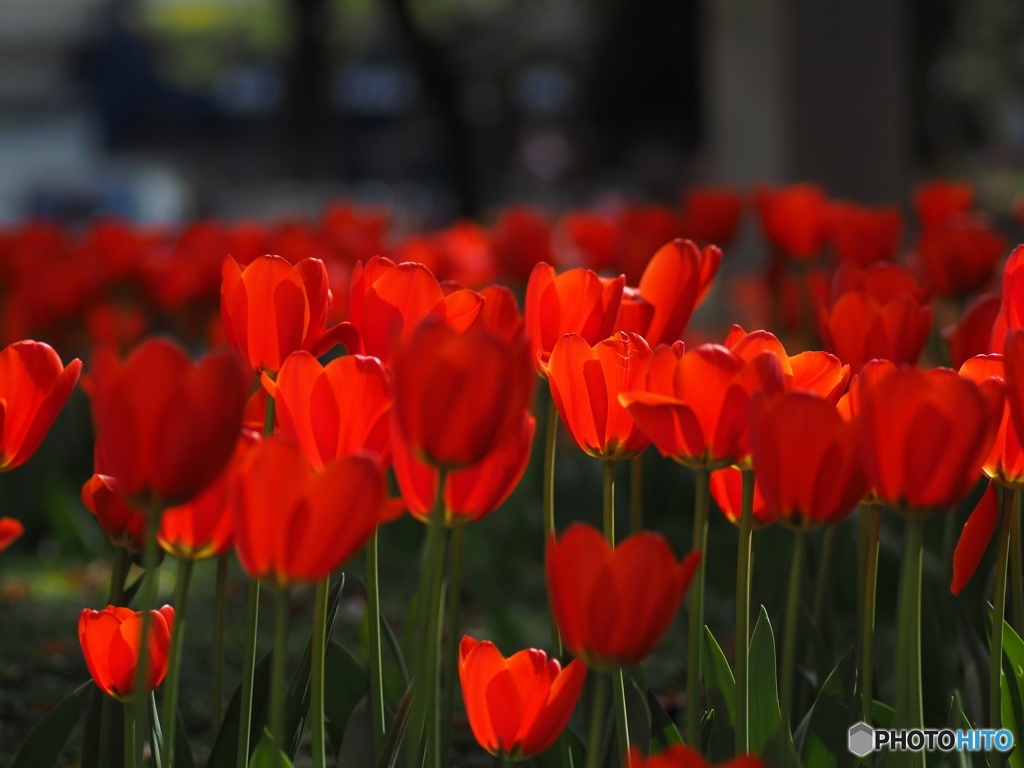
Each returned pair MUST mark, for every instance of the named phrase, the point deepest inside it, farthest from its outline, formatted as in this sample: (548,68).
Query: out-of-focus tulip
(795,219)
(974,539)
(644,229)
(681,756)
(925,435)
(517,706)
(295,526)
(727,490)
(521,240)
(711,214)
(500,313)
(1005,462)
(585,386)
(1011,308)
(596,237)
(960,257)
(613,605)
(34,386)
(10,531)
(939,201)
(973,334)
(165,426)
(876,313)
(334,410)
(849,405)
(111,642)
(271,309)
(456,395)
(471,492)
(577,301)
(1013,367)
(123,525)
(806,458)
(696,408)
(865,235)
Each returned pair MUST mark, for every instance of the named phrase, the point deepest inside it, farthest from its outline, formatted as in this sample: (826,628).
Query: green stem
(597,711)
(217,695)
(451,661)
(867,619)
(269,417)
(621,722)
(550,447)
(636,493)
(619,693)
(995,718)
(824,574)
(792,622)
(1016,568)
(148,603)
(909,704)
(170,713)
(376,665)
(319,745)
(129,736)
(743,608)
(278,666)
(252,615)
(608,497)
(694,710)
(863,524)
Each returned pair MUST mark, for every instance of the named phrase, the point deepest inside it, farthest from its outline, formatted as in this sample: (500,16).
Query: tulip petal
(974,539)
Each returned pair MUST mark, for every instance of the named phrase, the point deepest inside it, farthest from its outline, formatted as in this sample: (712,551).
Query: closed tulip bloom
(34,385)
(456,395)
(681,756)
(1011,307)
(974,539)
(521,239)
(500,313)
(120,522)
(727,490)
(795,219)
(10,531)
(470,492)
(696,407)
(165,426)
(613,605)
(1013,368)
(973,334)
(111,642)
(960,257)
(925,435)
(1005,462)
(294,526)
(711,215)
(577,301)
(866,235)
(635,312)
(939,201)
(806,458)
(334,410)
(271,309)
(585,385)
(518,706)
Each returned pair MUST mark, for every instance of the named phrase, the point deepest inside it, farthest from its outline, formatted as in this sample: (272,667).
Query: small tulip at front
(110,642)
(518,706)
(10,531)
(681,756)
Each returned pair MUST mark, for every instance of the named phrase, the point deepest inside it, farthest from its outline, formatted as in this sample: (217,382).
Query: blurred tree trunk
(308,89)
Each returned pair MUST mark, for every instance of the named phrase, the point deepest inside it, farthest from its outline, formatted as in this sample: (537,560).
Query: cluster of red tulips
(267,450)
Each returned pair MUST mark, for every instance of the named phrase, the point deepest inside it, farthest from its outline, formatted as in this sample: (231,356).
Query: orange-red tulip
(681,756)
(806,458)
(469,492)
(294,526)
(613,605)
(271,309)
(924,436)
(585,386)
(939,201)
(457,395)
(577,301)
(696,408)
(10,531)
(111,642)
(711,215)
(865,235)
(1013,367)
(334,410)
(960,257)
(500,313)
(34,386)
(165,427)
(517,706)
(122,525)
(973,334)
(1005,462)
(727,490)
(1011,307)
(795,219)
(974,539)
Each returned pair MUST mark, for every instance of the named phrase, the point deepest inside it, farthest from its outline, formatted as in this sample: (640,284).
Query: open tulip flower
(123,525)
(1005,462)
(585,385)
(271,309)
(34,385)
(614,604)
(576,301)
(518,706)
(727,491)
(681,756)
(111,641)
(10,531)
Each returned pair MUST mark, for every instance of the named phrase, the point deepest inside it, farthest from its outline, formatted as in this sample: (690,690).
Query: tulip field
(579,491)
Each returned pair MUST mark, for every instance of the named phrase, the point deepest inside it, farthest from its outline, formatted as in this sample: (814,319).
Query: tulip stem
(824,574)
(1006,521)
(743,559)
(319,745)
(608,496)
(451,661)
(550,446)
(636,494)
(376,665)
(130,759)
(792,622)
(148,603)
(278,665)
(1016,568)
(218,642)
(909,704)
(174,660)
(597,712)
(621,721)
(867,619)
(252,615)
(694,710)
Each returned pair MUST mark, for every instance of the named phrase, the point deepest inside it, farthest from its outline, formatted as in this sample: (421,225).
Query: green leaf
(832,714)
(720,687)
(46,741)
(552,757)
(959,721)
(664,732)
(225,747)
(182,749)
(707,724)
(638,716)
(93,725)
(156,734)
(768,737)
(268,755)
(345,684)
(882,714)
(396,733)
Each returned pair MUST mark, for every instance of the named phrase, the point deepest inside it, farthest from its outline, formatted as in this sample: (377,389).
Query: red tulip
(111,642)
(165,427)
(271,309)
(974,539)
(644,229)
(470,492)
(1011,308)
(521,240)
(635,312)
(1013,366)
(960,257)
(500,313)
(122,525)
(939,201)
(1005,462)
(806,458)
(865,235)
(10,531)
(697,405)
(517,706)
(727,489)
(710,214)
(577,301)
(924,436)
(682,756)
(334,410)
(613,605)
(34,386)
(973,334)
(585,386)
(457,395)
(597,238)
(294,526)
(796,219)
(849,405)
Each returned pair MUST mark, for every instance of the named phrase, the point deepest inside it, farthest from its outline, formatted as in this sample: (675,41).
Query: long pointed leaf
(225,747)
(45,742)
(832,714)
(664,732)
(721,692)
(396,733)
(345,684)
(768,737)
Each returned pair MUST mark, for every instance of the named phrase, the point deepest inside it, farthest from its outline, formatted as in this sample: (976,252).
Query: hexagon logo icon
(861,739)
